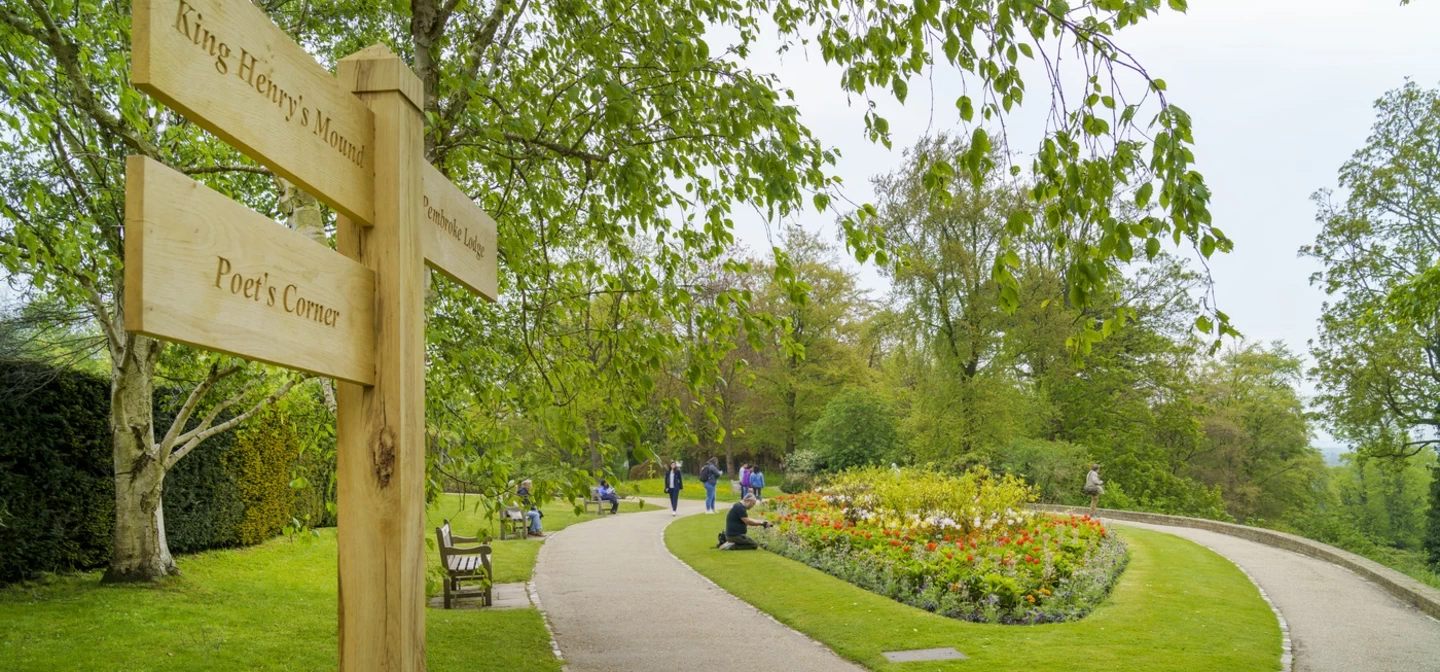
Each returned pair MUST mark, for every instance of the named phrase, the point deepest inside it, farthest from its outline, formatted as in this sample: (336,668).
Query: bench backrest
(445,540)
(595,494)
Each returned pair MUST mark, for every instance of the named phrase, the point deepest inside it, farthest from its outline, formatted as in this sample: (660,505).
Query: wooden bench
(514,523)
(595,501)
(735,488)
(464,566)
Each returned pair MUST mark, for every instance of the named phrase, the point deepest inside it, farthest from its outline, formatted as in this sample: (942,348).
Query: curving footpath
(1338,621)
(617,601)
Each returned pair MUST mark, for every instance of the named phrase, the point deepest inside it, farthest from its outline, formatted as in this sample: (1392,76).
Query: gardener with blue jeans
(709,476)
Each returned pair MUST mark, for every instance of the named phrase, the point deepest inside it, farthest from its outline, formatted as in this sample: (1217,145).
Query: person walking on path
(1094,487)
(607,494)
(738,524)
(709,476)
(744,480)
(532,512)
(673,483)
(757,483)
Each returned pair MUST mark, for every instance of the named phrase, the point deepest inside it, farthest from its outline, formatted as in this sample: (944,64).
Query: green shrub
(260,463)
(57,490)
(1432,528)
(797,483)
(645,470)
(856,429)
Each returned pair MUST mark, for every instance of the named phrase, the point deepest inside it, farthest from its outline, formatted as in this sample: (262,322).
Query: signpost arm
(381,428)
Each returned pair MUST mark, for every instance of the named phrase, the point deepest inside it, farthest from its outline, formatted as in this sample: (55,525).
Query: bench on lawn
(735,488)
(464,565)
(594,500)
(514,523)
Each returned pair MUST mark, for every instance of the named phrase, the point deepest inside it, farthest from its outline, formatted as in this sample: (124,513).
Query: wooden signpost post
(204,270)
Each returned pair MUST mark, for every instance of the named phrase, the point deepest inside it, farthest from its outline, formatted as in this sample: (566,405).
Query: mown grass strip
(1179,606)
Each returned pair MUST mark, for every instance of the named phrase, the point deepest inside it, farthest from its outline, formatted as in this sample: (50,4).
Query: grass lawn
(267,607)
(1179,606)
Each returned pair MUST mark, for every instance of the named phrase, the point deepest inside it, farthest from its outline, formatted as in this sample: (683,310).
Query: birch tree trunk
(140,552)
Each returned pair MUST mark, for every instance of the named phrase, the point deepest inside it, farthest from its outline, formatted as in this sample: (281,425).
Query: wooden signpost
(203,269)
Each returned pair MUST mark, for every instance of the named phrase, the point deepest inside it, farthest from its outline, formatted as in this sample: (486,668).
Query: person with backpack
(757,483)
(709,477)
(674,482)
(1094,487)
(744,480)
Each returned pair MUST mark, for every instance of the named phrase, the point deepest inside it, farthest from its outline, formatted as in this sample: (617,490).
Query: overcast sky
(1280,92)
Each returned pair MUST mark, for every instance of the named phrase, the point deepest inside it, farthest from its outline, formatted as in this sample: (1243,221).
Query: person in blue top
(709,476)
(532,512)
(757,483)
(674,482)
(737,526)
(607,494)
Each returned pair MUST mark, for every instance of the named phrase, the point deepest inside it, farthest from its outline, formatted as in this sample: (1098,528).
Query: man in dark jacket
(709,477)
(738,524)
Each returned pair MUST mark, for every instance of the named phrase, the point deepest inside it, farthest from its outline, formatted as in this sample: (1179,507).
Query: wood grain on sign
(458,237)
(226,66)
(380,430)
(203,269)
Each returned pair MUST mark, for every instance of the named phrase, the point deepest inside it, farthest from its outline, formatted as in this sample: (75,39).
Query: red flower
(930,546)
(906,549)
(969,558)
(949,556)
(894,542)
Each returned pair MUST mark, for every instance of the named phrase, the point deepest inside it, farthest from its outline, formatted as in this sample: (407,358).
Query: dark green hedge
(57,492)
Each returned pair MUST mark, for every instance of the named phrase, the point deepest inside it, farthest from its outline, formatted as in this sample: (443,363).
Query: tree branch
(196,437)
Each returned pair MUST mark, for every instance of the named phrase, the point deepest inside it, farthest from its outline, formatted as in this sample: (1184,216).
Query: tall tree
(1378,360)
(584,129)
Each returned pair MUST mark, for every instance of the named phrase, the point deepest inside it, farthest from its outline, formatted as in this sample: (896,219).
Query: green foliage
(805,461)
(260,465)
(797,483)
(56,487)
(1053,468)
(201,498)
(645,470)
(856,429)
(1373,362)
(57,484)
(1432,527)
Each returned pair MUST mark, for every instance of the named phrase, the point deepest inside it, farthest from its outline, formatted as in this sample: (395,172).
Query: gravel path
(1338,621)
(619,602)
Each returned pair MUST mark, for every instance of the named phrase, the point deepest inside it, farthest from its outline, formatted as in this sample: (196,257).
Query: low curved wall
(1408,590)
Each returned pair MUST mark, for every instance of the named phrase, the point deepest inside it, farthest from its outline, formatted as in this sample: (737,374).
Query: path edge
(1402,587)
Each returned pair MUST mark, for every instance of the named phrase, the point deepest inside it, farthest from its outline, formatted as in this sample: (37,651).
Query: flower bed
(961,547)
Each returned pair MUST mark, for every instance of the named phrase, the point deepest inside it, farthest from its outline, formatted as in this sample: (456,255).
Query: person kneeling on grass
(737,524)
